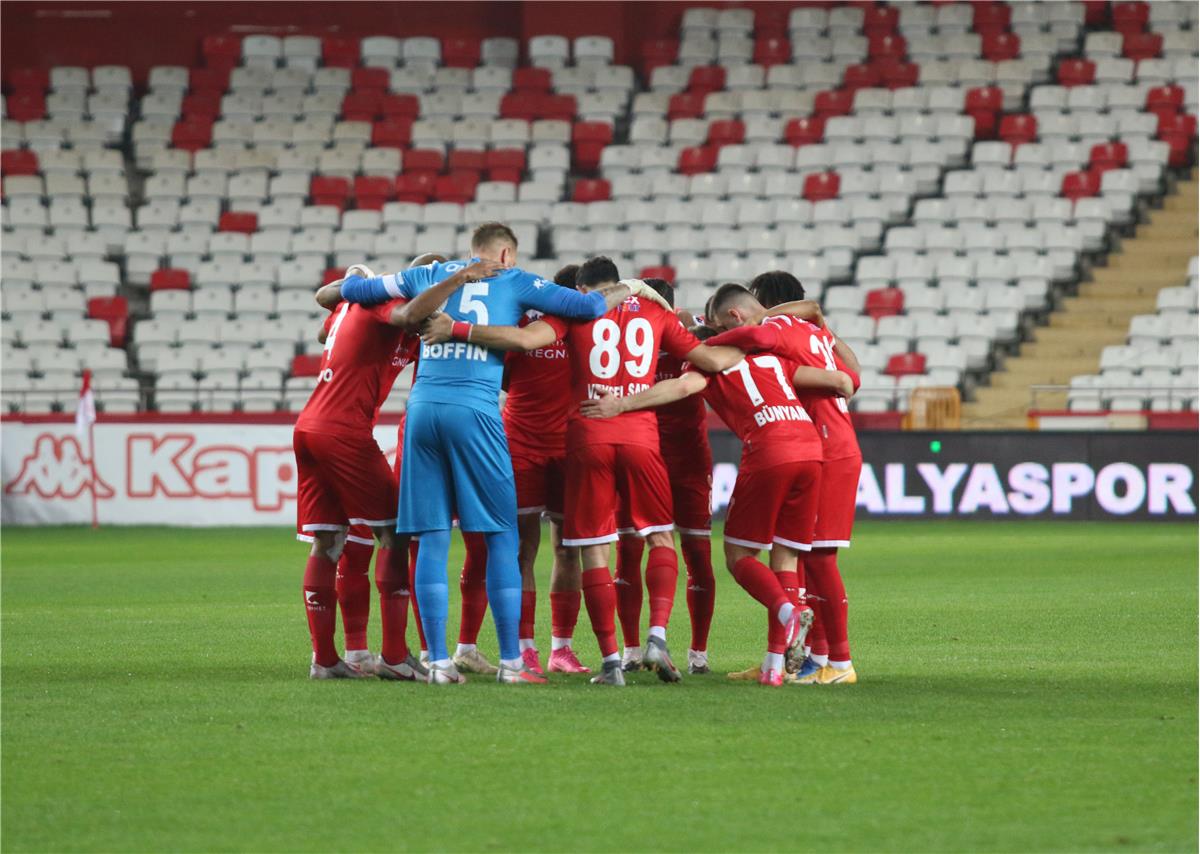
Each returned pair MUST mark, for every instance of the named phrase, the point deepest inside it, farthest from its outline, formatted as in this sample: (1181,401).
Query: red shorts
(344,480)
(839,494)
(541,483)
(602,477)
(691,495)
(775,505)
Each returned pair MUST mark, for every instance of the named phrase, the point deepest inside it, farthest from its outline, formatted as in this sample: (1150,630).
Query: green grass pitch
(1024,687)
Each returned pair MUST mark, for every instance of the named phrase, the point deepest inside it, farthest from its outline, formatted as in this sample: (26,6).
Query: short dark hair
(725,295)
(597,271)
(663,288)
(703,332)
(775,287)
(492,232)
(567,275)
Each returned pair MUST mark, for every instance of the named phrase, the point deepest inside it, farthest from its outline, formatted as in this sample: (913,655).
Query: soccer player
(344,478)
(455,450)
(617,354)
(683,442)
(815,346)
(774,503)
(535,420)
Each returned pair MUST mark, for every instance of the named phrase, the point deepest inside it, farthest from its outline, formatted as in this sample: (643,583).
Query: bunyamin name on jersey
(454,350)
(771,414)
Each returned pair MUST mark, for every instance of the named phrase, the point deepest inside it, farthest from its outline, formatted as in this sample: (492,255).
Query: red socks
(413,546)
(701,587)
(391,580)
(629,588)
(791,584)
(601,602)
(354,592)
(756,578)
(564,612)
(662,576)
(528,611)
(473,585)
(826,580)
(320,598)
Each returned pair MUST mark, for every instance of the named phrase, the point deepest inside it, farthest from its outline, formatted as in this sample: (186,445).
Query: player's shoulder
(524,278)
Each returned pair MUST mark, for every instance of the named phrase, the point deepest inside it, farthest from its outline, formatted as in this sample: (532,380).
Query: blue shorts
(455,461)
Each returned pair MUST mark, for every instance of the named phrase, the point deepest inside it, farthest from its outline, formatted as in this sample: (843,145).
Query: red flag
(85,410)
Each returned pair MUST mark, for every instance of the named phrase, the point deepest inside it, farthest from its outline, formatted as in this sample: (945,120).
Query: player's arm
(441,328)
(712,359)
(413,313)
(805,309)
(842,350)
(748,339)
(667,391)
(328,296)
(820,380)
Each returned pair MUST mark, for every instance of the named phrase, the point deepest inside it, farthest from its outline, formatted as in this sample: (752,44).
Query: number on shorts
(605,358)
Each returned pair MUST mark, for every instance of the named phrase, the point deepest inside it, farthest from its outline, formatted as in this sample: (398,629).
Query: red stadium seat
(905,364)
(726,132)
(884,302)
(588,141)
(664,272)
(329,190)
(460,52)
(887,46)
(29,80)
(860,76)
(558,107)
(27,106)
(772,50)
(658,52)
(240,221)
(1130,17)
(372,192)
(192,134)
(18,161)
(224,51)
(339,52)
(519,106)
(400,106)
(466,160)
(984,98)
(528,81)
(1076,72)
(998,47)
(170,279)
(1079,185)
(833,102)
(1109,155)
(306,365)
(880,20)
(369,79)
(591,190)
(392,133)
(706,78)
(458,187)
(208,80)
(115,312)
(697,159)
(1178,124)
(771,21)
(686,105)
(897,75)
(1169,97)
(332,274)
(808,131)
(1095,12)
(361,106)
(424,160)
(506,164)
(990,18)
(416,187)
(1139,46)
(822,186)
(1018,128)
(205,103)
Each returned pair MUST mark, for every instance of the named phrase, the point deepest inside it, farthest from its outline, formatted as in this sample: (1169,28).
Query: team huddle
(604,433)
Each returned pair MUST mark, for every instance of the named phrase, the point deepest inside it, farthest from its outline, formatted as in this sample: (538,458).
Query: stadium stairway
(1098,316)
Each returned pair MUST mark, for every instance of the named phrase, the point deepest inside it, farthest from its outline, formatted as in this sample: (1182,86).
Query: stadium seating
(938,174)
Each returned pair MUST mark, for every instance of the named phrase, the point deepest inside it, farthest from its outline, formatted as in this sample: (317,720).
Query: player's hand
(607,405)
(482,269)
(437,328)
(641,290)
(845,385)
(360,270)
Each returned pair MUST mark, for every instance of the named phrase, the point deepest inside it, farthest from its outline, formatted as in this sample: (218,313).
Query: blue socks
(503,589)
(433,591)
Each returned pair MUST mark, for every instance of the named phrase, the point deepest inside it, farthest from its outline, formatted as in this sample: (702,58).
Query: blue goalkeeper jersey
(456,371)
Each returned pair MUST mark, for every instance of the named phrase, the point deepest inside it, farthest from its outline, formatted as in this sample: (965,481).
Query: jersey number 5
(471,301)
(605,358)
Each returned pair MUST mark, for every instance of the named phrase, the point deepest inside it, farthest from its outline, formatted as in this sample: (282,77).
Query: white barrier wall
(154,473)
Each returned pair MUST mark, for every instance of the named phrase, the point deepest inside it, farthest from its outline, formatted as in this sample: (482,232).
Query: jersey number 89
(605,358)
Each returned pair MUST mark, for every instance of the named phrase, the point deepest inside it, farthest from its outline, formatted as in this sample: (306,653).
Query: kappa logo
(312,597)
(57,469)
(173,465)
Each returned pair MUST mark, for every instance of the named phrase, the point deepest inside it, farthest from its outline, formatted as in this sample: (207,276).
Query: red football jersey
(618,353)
(812,346)
(683,423)
(539,397)
(757,401)
(363,356)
